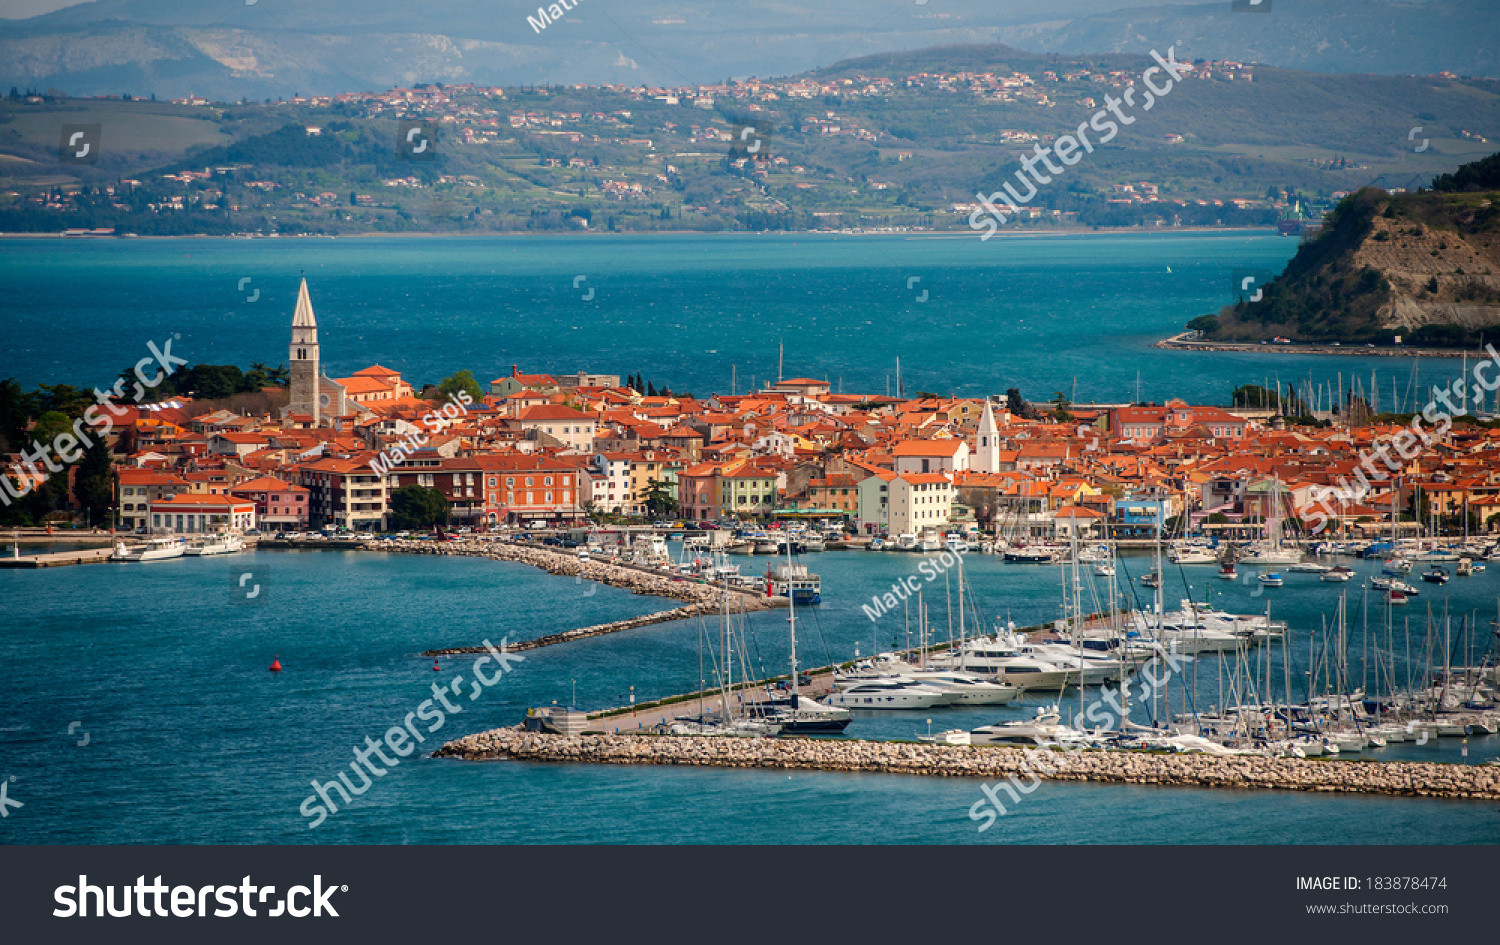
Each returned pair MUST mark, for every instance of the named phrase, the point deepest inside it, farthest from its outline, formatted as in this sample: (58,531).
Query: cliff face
(1422,266)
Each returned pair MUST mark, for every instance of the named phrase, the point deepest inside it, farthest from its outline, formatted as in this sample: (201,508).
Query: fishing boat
(1338,573)
(1270,579)
(1227,571)
(877,544)
(153,549)
(796,582)
(906,542)
(1437,574)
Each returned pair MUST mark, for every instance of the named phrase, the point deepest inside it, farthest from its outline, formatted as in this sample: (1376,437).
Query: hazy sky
(20,9)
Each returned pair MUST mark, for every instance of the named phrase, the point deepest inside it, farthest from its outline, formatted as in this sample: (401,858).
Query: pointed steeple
(987,442)
(303,317)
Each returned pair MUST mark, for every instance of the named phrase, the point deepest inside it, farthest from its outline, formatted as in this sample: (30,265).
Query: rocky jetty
(1397,778)
(699,597)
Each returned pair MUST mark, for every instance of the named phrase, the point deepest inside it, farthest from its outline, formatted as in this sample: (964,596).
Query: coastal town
(533,450)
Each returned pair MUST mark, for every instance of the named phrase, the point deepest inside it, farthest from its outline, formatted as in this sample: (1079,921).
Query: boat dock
(57,559)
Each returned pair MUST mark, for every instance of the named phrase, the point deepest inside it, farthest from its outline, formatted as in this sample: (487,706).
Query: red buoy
(275,665)
(435,667)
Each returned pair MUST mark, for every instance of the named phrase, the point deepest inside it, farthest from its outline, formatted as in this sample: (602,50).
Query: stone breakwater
(1397,778)
(699,598)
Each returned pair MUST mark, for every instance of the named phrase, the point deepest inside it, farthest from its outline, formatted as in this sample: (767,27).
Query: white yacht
(217,545)
(1044,729)
(967,688)
(153,549)
(930,541)
(906,542)
(988,656)
(886,692)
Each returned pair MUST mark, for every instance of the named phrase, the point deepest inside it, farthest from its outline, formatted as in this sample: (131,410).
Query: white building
(918,501)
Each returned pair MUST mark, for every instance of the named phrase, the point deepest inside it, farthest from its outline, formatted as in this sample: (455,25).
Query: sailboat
(797,714)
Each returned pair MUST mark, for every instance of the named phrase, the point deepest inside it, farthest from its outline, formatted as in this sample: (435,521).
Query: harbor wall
(1394,778)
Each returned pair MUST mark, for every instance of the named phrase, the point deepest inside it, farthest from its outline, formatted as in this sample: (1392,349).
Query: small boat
(1309,567)
(877,544)
(1151,578)
(1465,567)
(1104,570)
(1270,579)
(217,545)
(1437,574)
(1338,573)
(154,549)
(1227,571)
(1395,596)
(906,542)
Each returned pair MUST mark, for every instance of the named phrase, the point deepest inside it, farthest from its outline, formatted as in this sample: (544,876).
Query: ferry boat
(154,549)
(796,582)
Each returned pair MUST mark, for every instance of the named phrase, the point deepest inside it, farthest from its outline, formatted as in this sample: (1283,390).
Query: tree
(462,381)
(659,500)
(16,408)
(1014,402)
(93,484)
(1060,407)
(418,507)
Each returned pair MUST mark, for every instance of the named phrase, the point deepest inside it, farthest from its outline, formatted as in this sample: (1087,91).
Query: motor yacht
(886,692)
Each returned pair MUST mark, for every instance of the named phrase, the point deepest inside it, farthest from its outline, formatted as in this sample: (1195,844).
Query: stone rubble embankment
(1395,778)
(699,598)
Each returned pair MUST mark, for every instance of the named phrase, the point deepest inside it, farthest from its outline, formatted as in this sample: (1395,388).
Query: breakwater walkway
(1395,778)
(698,597)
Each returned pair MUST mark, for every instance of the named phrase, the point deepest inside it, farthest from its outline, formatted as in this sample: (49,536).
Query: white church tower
(303,358)
(986,458)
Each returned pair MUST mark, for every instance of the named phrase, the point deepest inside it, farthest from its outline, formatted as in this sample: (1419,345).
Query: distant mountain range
(274,48)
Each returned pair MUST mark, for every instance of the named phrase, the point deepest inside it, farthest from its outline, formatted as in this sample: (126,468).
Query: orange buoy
(435,667)
(275,664)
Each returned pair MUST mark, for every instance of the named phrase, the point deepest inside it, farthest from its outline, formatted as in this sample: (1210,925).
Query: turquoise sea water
(697,313)
(191,740)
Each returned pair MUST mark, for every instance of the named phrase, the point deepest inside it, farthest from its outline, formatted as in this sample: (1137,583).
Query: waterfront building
(189,514)
(344,492)
(279,505)
(138,488)
(919,501)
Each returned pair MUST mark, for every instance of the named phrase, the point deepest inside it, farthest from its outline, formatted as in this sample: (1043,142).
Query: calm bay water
(191,740)
(698,313)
